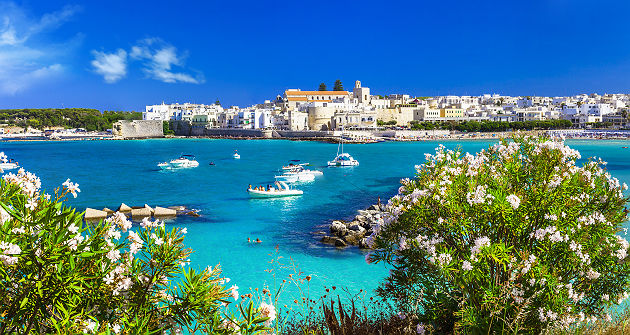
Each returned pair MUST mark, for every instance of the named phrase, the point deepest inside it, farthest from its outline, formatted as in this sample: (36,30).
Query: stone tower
(362,94)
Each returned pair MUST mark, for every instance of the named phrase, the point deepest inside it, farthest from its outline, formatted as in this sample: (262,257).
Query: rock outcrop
(354,232)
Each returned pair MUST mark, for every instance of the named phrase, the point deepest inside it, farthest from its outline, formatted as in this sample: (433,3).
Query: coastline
(352,138)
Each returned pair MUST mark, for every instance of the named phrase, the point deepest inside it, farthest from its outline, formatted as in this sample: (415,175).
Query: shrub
(516,238)
(61,275)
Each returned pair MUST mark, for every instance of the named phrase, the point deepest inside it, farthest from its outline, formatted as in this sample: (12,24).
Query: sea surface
(111,172)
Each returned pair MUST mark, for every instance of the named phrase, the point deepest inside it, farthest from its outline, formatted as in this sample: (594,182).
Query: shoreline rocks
(355,232)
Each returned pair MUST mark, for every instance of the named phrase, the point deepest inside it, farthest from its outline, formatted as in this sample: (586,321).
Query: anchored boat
(183,162)
(298,174)
(281,190)
(6,163)
(343,159)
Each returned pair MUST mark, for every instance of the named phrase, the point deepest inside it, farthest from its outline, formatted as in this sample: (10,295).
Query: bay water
(112,172)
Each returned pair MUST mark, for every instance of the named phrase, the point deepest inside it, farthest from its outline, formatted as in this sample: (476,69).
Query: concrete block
(138,213)
(94,214)
(161,211)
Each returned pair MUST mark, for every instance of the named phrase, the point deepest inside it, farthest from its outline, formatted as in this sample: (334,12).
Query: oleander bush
(61,275)
(515,239)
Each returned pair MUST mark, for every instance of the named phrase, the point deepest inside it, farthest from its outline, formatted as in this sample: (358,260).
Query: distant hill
(42,118)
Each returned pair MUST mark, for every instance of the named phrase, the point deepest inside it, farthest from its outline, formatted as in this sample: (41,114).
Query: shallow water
(111,172)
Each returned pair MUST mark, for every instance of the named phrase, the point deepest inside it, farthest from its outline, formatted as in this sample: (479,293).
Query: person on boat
(268,187)
(258,240)
(249,187)
(211,163)
(249,240)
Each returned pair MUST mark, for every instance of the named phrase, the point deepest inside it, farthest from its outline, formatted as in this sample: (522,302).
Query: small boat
(293,166)
(236,155)
(183,162)
(624,147)
(294,177)
(281,190)
(7,163)
(343,159)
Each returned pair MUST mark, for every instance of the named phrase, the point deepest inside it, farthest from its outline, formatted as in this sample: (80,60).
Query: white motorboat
(299,168)
(6,163)
(183,162)
(281,190)
(294,177)
(292,166)
(236,155)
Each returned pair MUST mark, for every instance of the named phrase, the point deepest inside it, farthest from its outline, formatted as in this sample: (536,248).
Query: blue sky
(122,55)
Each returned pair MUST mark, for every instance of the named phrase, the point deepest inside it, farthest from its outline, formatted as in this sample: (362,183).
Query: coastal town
(325,110)
(362,117)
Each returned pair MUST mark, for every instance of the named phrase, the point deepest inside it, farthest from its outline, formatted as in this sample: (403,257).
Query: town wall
(138,128)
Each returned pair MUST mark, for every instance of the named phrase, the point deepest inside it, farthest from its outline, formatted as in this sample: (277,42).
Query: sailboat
(343,159)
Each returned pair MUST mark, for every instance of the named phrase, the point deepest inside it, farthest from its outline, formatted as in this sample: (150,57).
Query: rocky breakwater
(355,232)
(140,212)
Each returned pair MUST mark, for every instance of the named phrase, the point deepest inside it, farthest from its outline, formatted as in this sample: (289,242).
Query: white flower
(513,200)
(234,292)
(480,242)
(157,240)
(267,311)
(4,215)
(91,326)
(592,274)
(19,230)
(116,328)
(444,259)
(479,196)
(184,231)
(466,266)
(9,249)
(71,187)
(73,228)
(31,204)
(402,245)
(113,255)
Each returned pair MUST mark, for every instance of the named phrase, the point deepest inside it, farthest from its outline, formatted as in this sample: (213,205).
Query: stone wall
(303,133)
(138,129)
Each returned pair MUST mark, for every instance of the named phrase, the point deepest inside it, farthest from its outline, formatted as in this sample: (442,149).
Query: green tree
(218,103)
(166,127)
(516,239)
(322,87)
(338,85)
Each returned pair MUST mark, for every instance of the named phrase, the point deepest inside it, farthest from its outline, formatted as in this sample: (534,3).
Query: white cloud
(112,66)
(24,63)
(27,79)
(159,58)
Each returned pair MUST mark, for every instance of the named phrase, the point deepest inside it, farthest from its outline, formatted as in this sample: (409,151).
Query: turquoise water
(111,172)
